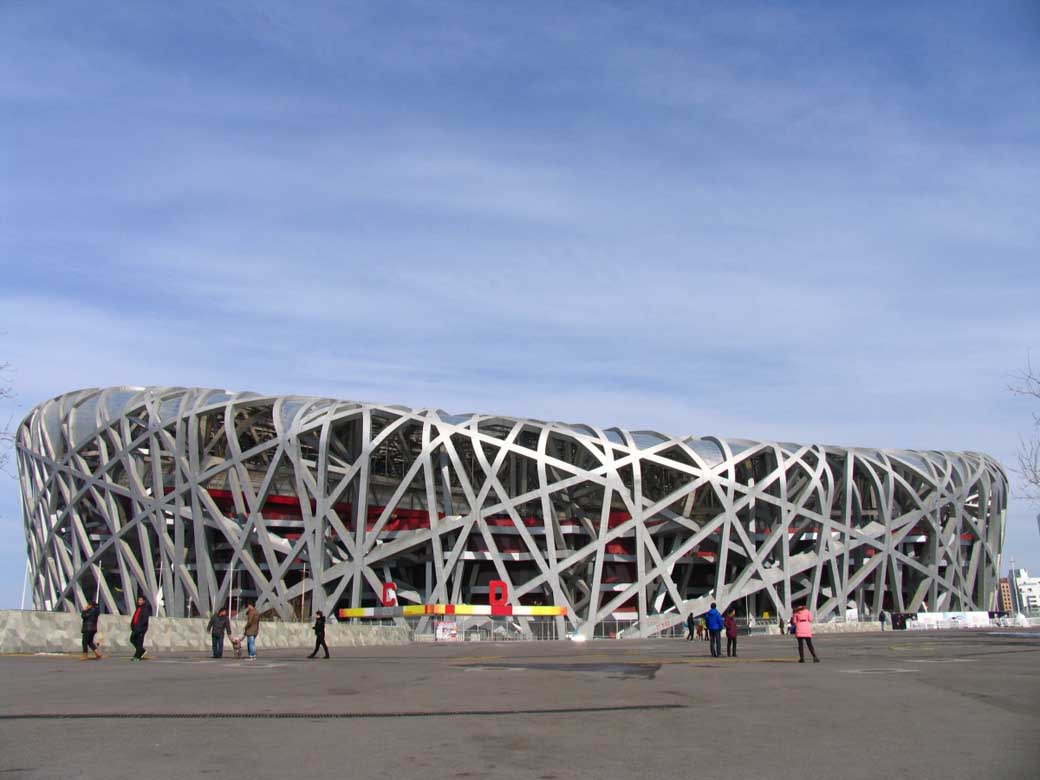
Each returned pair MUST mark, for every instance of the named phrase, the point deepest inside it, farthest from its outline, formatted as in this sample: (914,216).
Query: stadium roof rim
(109,404)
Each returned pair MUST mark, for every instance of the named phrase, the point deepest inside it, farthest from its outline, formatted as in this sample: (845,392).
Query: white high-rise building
(1025,592)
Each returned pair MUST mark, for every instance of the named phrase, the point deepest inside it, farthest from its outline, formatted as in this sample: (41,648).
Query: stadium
(190,496)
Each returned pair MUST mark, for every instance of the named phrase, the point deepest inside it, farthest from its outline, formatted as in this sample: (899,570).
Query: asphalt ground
(946,705)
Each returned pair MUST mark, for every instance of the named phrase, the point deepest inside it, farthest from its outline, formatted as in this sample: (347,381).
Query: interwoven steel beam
(186,495)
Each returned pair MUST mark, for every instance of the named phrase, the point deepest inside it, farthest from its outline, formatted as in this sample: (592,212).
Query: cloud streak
(808,225)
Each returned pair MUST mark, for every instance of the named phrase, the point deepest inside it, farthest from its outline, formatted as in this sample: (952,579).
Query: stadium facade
(184,495)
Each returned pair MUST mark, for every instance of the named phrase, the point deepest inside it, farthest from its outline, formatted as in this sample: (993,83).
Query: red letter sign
(389,595)
(498,595)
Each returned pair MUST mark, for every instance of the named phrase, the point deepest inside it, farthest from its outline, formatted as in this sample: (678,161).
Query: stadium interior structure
(189,495)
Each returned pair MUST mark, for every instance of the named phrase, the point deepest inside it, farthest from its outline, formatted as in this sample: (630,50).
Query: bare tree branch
(1027,383)
(5,389)
(6,434)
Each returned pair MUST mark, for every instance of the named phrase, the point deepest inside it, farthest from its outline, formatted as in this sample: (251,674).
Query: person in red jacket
(802,619)
(139,627)
(732,630)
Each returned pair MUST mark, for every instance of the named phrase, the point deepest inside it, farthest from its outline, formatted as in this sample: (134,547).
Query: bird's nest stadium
(184,495)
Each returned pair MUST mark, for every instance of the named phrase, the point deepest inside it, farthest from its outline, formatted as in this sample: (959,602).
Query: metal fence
(476,628)
(745,625)
(499,629)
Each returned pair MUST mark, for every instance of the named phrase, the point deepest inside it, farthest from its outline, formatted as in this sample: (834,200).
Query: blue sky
(798,221)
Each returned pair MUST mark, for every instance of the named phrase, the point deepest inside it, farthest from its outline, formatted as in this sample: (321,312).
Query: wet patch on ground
(612,669)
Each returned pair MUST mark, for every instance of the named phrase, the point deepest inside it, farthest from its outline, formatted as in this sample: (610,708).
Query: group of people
(138,628)
(713,623)
(219,626)
(711,626)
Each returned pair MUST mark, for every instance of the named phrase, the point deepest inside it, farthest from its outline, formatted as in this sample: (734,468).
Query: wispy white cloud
(767,223)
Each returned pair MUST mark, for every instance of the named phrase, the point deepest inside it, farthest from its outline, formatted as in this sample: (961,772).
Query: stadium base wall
(57,632)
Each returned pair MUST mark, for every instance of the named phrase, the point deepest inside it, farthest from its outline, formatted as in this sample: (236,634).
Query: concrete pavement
(899,704)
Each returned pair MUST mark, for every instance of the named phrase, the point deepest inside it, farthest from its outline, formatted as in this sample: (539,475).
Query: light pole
(752,527)
(240,521)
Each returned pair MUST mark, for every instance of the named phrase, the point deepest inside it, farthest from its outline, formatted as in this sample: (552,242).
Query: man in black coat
(319,634)
(90,619)
(139,627)
(218,626)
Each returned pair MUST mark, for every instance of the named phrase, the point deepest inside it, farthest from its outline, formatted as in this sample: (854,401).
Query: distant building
(1004,601)
(1025,592)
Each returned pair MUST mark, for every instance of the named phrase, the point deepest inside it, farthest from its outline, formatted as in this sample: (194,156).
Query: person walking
(139,627)
(218,626)
(731,633)
(803,630)
(715,624)
(90,619)
(251,630)
(319,634)
(882,617)
(691,627)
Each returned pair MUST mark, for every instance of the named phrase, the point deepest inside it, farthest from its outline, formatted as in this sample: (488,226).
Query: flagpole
(231,584)
(25,583)
(240,522)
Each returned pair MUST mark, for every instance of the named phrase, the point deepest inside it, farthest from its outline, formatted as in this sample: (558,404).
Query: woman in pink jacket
(803,630)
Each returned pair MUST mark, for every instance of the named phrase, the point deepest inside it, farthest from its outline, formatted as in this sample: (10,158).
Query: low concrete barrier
(59,632)
(849,627)
(836,627)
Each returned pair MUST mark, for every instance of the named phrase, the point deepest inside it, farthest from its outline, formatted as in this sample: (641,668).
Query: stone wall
(837,627)
(854,627)
(59,632)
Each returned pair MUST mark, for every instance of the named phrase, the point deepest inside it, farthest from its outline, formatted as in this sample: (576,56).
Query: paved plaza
(893,705)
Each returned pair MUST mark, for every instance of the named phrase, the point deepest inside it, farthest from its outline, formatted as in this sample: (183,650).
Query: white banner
(446,631)
(948,619)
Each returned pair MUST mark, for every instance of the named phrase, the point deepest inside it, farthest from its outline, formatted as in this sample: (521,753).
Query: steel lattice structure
(184,494)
